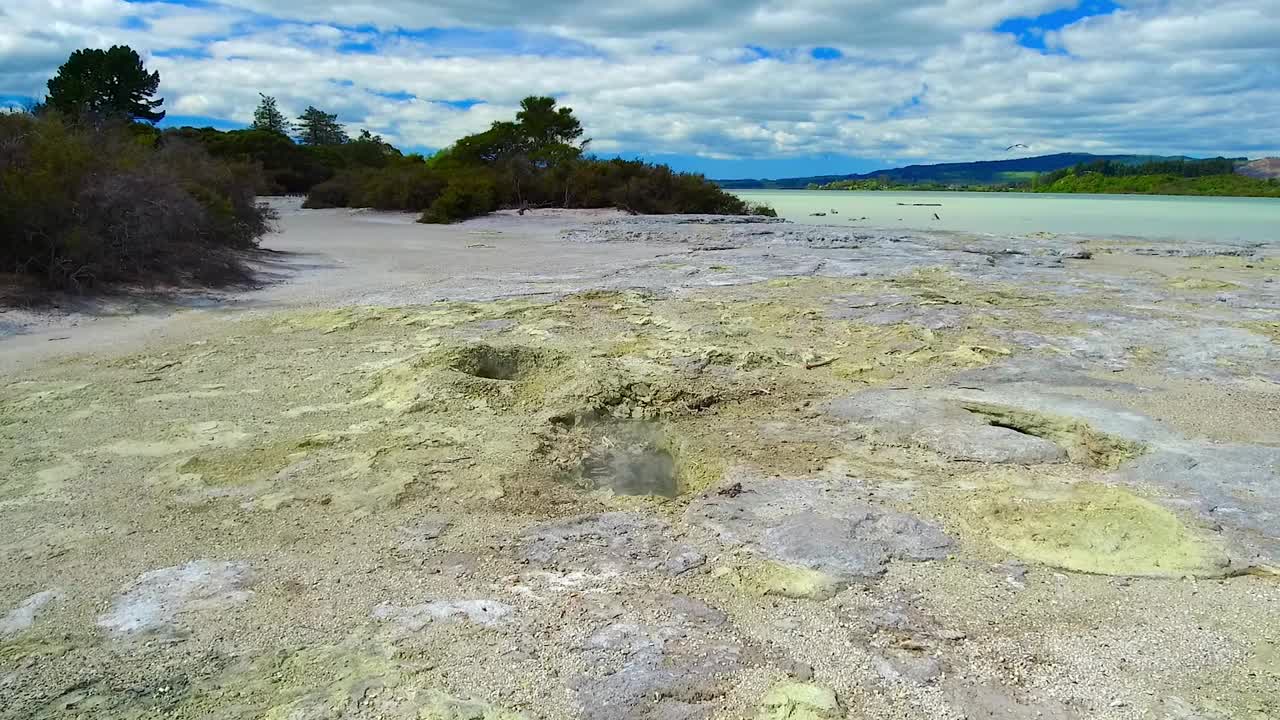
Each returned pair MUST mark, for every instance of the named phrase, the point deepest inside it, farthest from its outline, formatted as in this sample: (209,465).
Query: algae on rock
(1083,444)
(789,581)
(1096,529)
(800,701)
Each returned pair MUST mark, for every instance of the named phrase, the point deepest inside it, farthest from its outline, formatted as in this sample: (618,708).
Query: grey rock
(993,701)
(610,543)
(157,599)
(487,613)
(1233,486)
(933,423)
(820,525)
(1075,253)
(907,667)
(683,559)
(422,535)
(669,663)
(21,618)
(796,670)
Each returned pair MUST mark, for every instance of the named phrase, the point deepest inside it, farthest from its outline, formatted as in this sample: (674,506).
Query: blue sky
(731,89)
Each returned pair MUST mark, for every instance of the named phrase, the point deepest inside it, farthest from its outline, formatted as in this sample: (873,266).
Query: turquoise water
(1230,220)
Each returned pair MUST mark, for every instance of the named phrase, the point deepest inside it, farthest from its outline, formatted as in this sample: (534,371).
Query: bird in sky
(1016,145)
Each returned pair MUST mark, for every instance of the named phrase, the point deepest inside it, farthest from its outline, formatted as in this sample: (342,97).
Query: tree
(544,125)
(369,150)
(268,117)
(106,83)
(316,127)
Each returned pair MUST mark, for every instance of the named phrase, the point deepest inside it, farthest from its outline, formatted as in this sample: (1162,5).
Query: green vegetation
(105,83)
(1214,176)
(90,198)
(1102,175)
(268,117)
(537,160)
(1217,185)
(888,184)
(947,176)
(91,204)
(317,128)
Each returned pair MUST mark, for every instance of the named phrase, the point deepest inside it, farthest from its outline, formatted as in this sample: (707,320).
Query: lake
(1228,220)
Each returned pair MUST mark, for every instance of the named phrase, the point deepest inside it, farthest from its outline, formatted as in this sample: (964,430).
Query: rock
(154,602)
(1210,477)
(440,706)
(994,701)
(23,617)
(799,671)
(607,544)
(943,426)
(683,559)
(487,613)
(1015,574)
(663,660)
(1095,529)
(798,583)
(906,666)
(430,528)
(1076,253)
(813,536)
(800,701)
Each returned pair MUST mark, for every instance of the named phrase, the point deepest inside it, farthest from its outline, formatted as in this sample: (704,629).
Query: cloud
(889,80)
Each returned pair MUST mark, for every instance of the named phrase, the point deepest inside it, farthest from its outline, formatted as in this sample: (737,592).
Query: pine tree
(106,83)
(316,127)
(269,117)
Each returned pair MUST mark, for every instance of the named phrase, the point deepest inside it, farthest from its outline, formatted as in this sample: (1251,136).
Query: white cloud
(920,79)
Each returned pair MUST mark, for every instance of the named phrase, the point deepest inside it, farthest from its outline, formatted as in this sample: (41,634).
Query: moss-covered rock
(1093,528)
(800,701)
(791,581)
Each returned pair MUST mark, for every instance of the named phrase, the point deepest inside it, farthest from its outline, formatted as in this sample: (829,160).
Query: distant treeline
(889,184)
(1183,168)
(1212,176)
(1165,176)
(1212,185)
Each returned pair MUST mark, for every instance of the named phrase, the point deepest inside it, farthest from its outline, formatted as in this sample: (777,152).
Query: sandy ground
(324,258)
(582,465)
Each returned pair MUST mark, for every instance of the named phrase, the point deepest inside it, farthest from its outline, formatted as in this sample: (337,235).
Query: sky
(730,88)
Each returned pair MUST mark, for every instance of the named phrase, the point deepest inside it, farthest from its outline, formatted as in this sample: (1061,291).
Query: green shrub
(335,192)
(286,168)
(466,196)
(407,186)
(84,206)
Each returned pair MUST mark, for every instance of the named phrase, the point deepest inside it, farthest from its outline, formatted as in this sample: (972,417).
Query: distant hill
(987,172)
(1264,169)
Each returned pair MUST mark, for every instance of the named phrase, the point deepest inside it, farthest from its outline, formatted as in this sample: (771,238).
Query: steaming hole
(628,458)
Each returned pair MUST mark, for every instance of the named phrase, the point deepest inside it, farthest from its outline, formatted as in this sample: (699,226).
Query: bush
(466,196)
(286,168)
(86,206)
(536,161)
(336,192)
(406,186)
(639,187)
